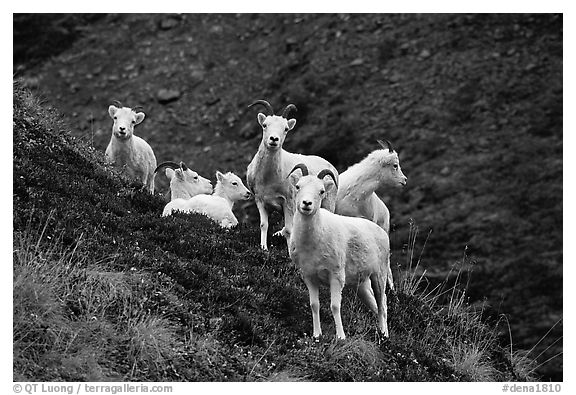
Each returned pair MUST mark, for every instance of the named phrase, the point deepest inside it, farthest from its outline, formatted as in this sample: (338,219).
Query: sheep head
(183,178)
(387,162)
(311,189)
(274,127)
(231,185)
(125,119)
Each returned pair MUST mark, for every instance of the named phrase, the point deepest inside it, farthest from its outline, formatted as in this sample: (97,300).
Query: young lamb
(360,183)
(337,250)
(268,170)
(218,206)
(184,182)
(128,151)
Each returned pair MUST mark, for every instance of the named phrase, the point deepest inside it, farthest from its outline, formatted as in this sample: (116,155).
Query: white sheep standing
(337,250)
(268,170)
(184,182)
(360,183)
(218,206)
(128,151)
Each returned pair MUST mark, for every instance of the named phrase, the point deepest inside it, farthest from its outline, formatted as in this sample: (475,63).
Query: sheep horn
(138,108)
(327,172)
(388,145)
(183,166)
(169,164)
(300,166)
(265,104)
(287,110)
(117,103)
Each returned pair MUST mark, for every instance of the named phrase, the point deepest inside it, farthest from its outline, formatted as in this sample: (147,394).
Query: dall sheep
(268,170)
(360,183)
(337,250)
(128,151)
(218,206)
(184,182)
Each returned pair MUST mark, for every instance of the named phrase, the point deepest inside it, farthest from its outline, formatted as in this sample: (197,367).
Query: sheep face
(192,181)
(394,172)
(124,121)
(274,130)
(310,190)
(233,187)
(390,173)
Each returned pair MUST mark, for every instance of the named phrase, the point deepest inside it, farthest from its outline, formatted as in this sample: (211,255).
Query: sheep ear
(112,111)
(291,123)
(261,118)
(140,117)
(169,173)
(294,178)
(219,176)
(179,174)
(329,185)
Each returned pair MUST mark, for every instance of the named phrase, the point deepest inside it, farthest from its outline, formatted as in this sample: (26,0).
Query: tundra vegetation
(473,103)
(107,289)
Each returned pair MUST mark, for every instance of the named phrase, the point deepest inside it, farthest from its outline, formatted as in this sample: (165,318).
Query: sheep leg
(335,302)
(390,279)
(263,224)
(379,288)
(367,295)
(150,183)
(314,294)
(288,219)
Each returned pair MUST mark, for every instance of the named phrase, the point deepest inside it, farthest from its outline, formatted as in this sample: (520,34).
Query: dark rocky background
(473,104)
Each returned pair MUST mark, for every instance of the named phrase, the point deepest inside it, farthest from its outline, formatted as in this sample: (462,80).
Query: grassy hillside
(472,102)
(106,289)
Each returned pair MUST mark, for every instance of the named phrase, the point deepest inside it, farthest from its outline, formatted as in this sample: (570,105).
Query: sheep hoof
(381,337)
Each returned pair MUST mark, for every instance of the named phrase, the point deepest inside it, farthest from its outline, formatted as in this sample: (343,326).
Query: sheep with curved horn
(337,250)
(267,172)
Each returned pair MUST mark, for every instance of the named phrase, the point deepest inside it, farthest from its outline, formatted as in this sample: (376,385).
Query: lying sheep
(267,172)
(359,184)
(218,206)
(337,250)
(128,151)
(184,182)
